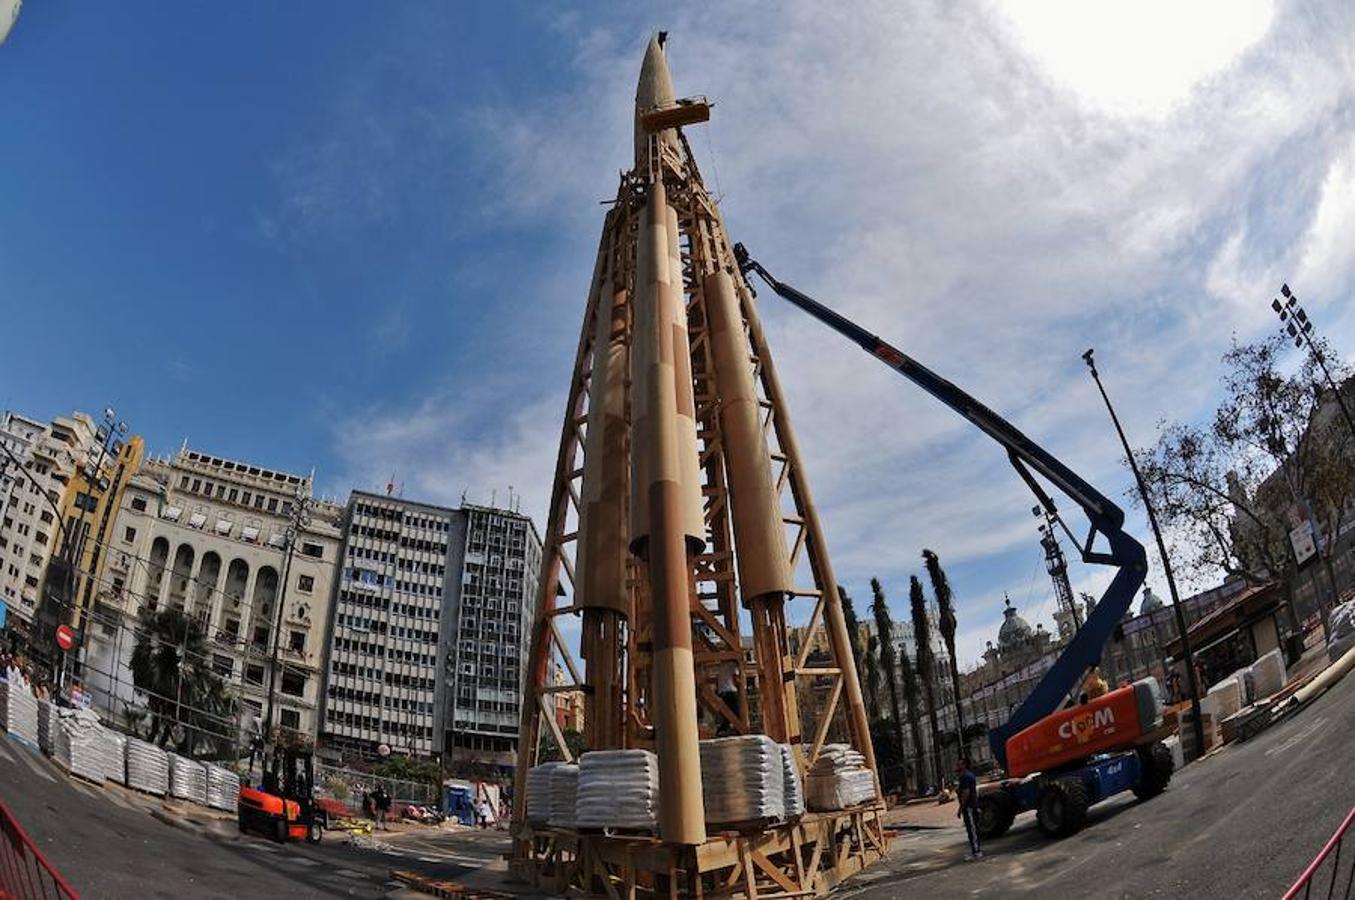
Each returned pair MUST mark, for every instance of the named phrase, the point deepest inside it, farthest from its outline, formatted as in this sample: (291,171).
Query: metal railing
(24,872)
(1332,851)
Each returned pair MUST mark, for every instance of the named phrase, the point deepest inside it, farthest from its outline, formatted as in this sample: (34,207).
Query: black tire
(1063,807)
(280,830)
(1157,764)
(240,820)
(997,810)
(315,832)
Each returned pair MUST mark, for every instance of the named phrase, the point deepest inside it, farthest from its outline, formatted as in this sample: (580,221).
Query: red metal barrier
(25,874)
(1304,886)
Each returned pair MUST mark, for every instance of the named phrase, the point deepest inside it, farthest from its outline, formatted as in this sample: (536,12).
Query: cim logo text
(1082,726)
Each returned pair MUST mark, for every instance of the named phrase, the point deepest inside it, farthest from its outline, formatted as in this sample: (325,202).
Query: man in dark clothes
(967,792)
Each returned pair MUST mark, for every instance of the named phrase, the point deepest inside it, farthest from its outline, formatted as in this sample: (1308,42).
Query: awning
(224,526)
(172,513)
(197,520)
(249,534)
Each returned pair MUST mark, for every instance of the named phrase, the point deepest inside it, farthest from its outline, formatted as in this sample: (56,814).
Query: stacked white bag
(19,710)
(46,725)
(187,779)
(618,789)
(564,793)
(838,779)
(115,756)
(795,795)
(223,788)
(743,779)
(147,767)
(1268,674)
(79,745)
(538,792)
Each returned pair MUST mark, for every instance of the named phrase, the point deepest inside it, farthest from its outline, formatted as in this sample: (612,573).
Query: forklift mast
(1121,551)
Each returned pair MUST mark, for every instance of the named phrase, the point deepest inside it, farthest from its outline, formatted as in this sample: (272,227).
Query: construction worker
(967,795)
(1096,685)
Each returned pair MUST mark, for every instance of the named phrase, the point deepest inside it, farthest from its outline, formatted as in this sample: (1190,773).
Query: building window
(261,635)
(290,718)
(297,641)
(223,665)
(254,673)
(293,683)
(139,504)
(233,628)
(305,583)
(129,535)
(313,550)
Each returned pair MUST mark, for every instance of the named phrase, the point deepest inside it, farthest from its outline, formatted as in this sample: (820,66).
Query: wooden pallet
(805,858)
(439,888)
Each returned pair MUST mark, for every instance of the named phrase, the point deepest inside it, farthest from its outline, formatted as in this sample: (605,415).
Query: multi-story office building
(492,624)
(210,536)
(29,530)
(429,634)
(400,561)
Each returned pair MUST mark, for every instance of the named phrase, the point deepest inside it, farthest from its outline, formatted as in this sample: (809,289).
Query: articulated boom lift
(1065,759)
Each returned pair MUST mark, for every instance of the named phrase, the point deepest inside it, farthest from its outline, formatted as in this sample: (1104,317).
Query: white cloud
(927,169)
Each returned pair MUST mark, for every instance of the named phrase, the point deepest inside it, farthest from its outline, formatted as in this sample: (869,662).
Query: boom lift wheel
(996,812)
(1063,807)
(1157,764)
(314,832)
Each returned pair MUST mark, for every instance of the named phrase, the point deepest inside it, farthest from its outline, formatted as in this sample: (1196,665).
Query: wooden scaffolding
(681,520)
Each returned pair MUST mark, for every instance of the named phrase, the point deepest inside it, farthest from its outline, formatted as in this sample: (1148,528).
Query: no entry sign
(65,637)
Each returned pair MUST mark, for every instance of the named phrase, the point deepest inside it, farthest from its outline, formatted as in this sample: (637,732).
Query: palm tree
(945,604)
(879,607)
(926,665)
(168,668)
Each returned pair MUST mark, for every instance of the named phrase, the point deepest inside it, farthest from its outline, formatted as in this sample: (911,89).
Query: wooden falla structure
(680,520)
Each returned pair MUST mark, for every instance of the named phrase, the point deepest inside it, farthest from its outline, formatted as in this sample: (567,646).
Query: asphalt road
(1241,824)
(107,846)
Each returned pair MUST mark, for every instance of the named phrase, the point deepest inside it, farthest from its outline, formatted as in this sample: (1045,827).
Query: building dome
(1014,631)
(1151,602)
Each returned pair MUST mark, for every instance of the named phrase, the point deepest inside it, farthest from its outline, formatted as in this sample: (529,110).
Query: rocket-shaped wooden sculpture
(681,521)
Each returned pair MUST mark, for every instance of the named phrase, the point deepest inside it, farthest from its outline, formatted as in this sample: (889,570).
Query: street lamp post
(1189,654)
(1299,327)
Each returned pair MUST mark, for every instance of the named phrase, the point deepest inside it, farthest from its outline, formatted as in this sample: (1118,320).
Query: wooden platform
(804,858)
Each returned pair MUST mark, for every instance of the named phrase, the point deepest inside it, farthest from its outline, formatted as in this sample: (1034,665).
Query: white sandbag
(115,756)
(223,788)
(46,718)
(564,793)
(838,790)
(838,779)
(1268,675)
(618,789)
(19,710)
(147,767)
(187,779)
(538,792)
(742,779)
(795,795)
(80,746)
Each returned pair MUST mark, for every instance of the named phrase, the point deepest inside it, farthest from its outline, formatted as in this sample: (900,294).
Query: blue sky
(356,237)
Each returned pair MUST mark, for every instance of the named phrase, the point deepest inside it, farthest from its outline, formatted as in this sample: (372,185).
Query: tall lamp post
(1192,682)
(300,517)
(1300,328)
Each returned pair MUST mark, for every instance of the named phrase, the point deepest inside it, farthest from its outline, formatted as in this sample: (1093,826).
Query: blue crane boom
(1104,518)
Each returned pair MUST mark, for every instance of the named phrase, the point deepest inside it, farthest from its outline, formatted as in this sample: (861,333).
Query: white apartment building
(431,620)
(209,536)
(29,531)
(387,642)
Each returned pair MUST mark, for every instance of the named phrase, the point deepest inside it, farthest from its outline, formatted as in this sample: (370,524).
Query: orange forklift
(283,805)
